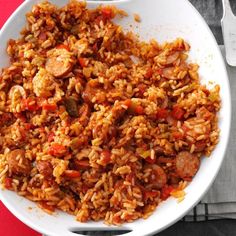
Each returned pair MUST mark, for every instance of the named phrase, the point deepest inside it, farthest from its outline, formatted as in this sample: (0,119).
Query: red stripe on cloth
(11,226)
(7,7)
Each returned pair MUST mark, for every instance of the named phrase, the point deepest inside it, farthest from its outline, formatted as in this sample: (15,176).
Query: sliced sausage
(158,177)
(172,58)
(187,165)
(18,163)
(45,168)
(168,73)
(59,62)
(169,59)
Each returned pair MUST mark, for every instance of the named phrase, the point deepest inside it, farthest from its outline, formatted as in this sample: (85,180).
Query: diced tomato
(83,62)
(49,107)
(106,156)
(107,13)
(127,103)
(150,160)
(63,46)
(72,174)
(162,113)
(177,135)
(150,194)
(51,136)
(8,183)
(177,112)
(139,110)
(165,192)
(117,219)
(149,73)
(57,149)
(29,104)
(28,126)
(83,163)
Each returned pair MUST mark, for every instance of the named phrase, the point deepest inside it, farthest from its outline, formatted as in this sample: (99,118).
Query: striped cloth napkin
(220,201)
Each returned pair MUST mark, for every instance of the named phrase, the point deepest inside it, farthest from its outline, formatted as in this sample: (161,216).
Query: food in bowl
(97,123)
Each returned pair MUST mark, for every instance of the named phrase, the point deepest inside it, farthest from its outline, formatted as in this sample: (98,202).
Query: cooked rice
(97,123)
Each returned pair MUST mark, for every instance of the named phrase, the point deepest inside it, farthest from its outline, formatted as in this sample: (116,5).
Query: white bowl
(162,20)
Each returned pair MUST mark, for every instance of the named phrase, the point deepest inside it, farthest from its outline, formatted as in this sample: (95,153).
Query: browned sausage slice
(158,177)
(59,62)
(18,163)
(187,165)
(45,168)
(172,58)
